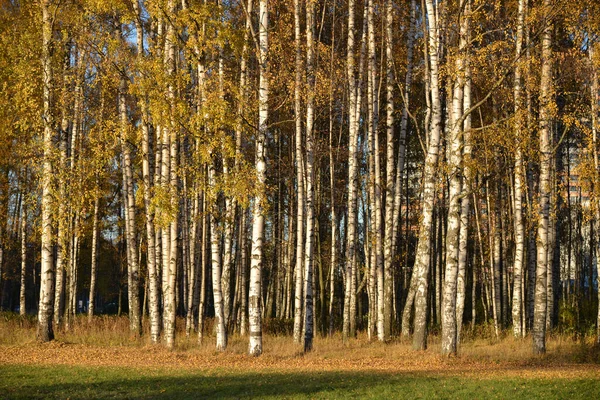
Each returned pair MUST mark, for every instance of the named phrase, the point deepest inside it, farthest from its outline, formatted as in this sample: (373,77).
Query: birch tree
(255,344)
(310,176)
(545,143)
(519,226)
(421,270)
(45,331)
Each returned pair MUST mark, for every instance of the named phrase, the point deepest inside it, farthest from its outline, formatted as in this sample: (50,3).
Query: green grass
(20,382)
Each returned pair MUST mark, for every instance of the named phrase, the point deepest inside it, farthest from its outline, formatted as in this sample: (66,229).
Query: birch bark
(541,272)
(258,219)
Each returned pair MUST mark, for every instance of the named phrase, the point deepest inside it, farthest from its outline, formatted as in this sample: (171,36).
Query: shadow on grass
(19,381)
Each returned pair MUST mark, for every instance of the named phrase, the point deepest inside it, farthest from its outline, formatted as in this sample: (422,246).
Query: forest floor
(102,361)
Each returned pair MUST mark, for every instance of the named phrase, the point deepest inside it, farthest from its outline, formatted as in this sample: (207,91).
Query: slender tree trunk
(391,187)
(147,173)
(45,331)
(22,305)
(352,174)
(243,275)
(135,322)
(546,95)
(62,241)
(310,176)
(169,180)
(465,204)
(421,269)
(203,265)
(455,164)
(94,262)
(299,180)
(258,218)
(334,245)
(594,111)
(518,328)
(215,245)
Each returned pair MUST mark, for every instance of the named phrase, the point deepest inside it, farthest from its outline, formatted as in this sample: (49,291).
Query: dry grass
(107,341)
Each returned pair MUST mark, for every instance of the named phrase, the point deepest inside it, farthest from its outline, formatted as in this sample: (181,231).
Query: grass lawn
(79,382)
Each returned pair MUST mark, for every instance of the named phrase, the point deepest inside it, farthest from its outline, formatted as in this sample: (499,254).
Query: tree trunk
(299,181)
(455,165)
(22,305)
(546,95)
(135,322)
(151,261)
(518,328)
(170,182)
(421,269)
(45,331)
(594,112)
(391,187)
(94,262)
(465,204)
(334,245)
(258,218)
(310,176)
(352,173)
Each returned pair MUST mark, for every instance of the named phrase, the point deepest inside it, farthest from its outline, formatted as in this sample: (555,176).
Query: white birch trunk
(22,305)
(215,246)
(546,95)
(45,330)
(299,275)
(422,259)
(169,181)
(334,244)
(455,166)
(352,172)
(518,328)
(94,262)
(310,175)
(391,187)
(465,204)
(258,219)
(135,322)
(151,261)
(594,112)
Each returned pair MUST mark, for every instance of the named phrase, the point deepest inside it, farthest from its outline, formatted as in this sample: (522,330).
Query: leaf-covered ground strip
(360,369)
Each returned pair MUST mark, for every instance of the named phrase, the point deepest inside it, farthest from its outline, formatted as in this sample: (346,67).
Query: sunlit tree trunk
(334,244)
(465,205)
(258,218)
(170,182)
(375,180)
(215,246)
(408,305)
(147,174)
(94,261)
(135,322)
(539,316)
(310,176)
(22,305)
(390,183)
(518,328)
(455,165)
(422,259)
(62,242)
(299,180)
(594,111)
(45,331)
